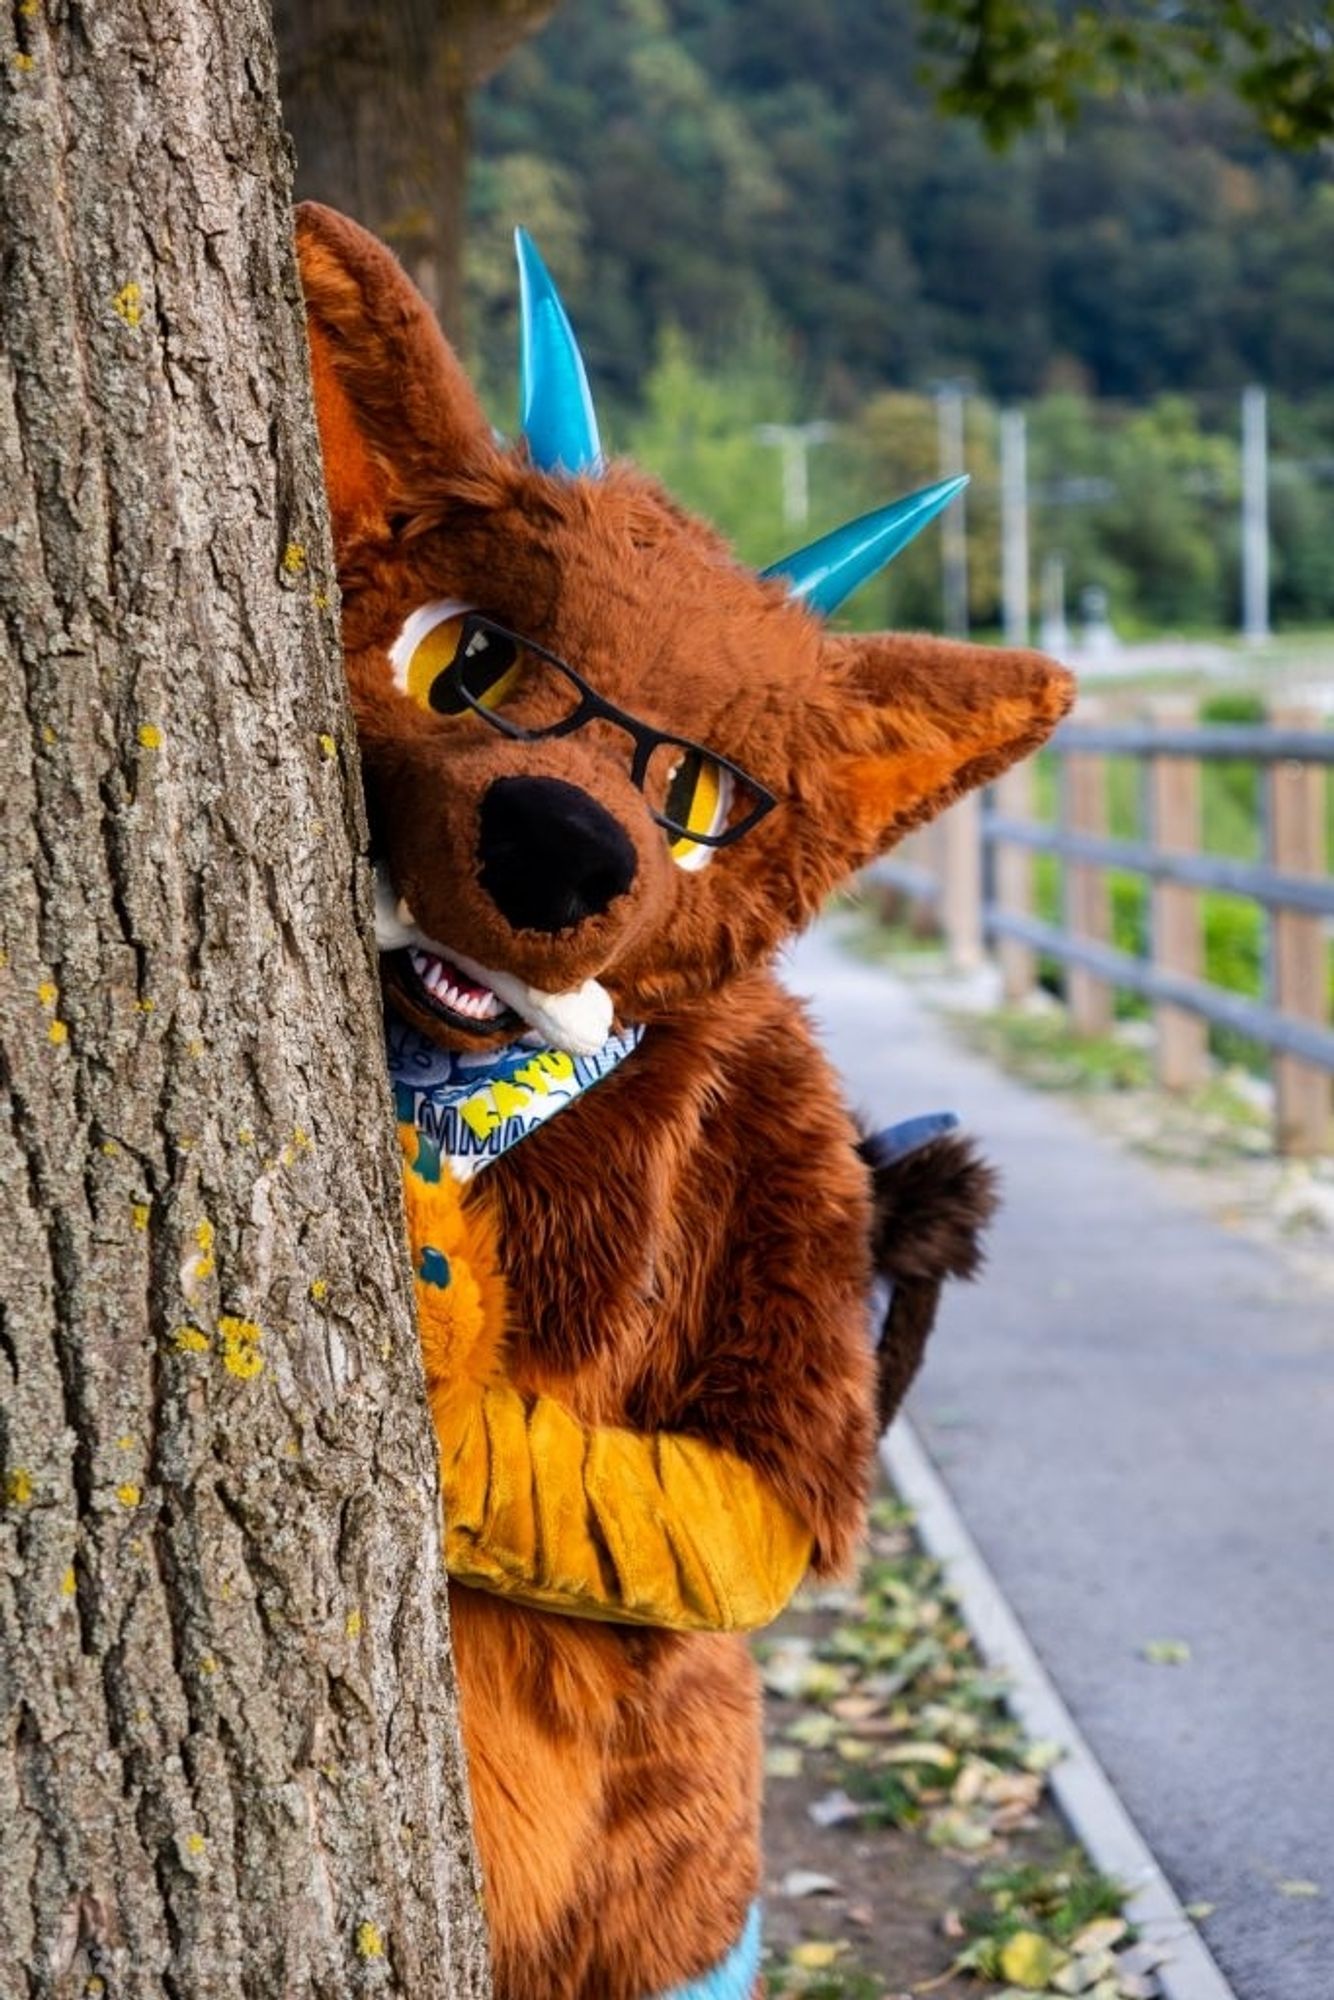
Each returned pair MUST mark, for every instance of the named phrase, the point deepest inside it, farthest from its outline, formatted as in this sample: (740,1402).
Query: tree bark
(229,1762)
(377,92)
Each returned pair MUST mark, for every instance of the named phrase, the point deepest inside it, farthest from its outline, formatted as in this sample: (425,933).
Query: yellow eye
(428,647)
(487,671)
(697,801)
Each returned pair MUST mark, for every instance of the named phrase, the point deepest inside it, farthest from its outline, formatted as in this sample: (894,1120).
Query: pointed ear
(929,720)
(396,412)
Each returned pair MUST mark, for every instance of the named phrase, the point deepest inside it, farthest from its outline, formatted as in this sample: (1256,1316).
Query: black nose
(550,855)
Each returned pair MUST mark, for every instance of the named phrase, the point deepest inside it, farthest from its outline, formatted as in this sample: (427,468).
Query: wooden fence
(974,872)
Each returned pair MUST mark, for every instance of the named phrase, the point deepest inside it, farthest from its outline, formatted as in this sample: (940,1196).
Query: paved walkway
(1134,1411)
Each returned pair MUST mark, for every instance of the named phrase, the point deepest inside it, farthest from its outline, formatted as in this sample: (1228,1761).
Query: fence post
(1181,1040)
(961,882)
(1087,903)
(1014,883)
(926,918)
(1297,847)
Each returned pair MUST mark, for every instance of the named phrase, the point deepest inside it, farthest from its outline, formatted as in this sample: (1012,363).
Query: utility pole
(1254,515)
(794,442)
(954,521)
(1055,631)
(1014,525)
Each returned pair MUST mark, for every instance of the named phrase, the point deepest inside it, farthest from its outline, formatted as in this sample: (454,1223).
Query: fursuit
(608,772)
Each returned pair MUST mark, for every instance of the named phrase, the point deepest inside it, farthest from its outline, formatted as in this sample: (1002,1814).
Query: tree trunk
(230,1763)
(377,92)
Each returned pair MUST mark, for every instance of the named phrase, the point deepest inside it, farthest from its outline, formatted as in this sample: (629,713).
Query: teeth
(477,1004)
(579,1021)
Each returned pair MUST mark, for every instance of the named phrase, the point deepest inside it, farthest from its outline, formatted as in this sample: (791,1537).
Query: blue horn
(556,406)
(825,572)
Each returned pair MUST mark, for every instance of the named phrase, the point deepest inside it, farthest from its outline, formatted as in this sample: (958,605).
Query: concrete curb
(1079,1784)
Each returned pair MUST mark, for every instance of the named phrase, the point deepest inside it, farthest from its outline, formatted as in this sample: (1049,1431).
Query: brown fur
(930,1211)
(686,1247)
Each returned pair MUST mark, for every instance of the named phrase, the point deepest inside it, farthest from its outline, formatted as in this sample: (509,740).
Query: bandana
(472,1107)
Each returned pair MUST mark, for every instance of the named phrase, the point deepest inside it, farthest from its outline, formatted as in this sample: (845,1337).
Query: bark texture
(377,92)
(229,1762)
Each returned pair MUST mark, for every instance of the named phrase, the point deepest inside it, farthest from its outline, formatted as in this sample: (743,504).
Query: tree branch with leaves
(1014,64)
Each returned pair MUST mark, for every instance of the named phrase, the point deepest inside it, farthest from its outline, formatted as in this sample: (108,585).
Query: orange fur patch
(355,483)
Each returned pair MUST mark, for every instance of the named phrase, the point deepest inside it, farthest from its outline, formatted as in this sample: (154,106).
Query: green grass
(1052,1904)
(1046,1052)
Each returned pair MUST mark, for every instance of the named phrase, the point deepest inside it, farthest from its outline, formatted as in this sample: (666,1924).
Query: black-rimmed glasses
(707,800)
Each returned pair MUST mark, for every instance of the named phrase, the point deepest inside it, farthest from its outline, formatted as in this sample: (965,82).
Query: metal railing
(976,876)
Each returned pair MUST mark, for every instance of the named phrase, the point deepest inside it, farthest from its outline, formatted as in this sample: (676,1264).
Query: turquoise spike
(827,571)
(556,405)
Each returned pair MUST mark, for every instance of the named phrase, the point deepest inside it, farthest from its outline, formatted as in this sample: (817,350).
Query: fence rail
(1136,857)
(976,876)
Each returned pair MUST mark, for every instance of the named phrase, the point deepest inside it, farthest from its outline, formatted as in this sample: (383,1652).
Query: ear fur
(930,720)
(396,412)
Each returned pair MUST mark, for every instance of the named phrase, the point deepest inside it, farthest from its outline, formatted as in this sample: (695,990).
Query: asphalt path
(1134,1412)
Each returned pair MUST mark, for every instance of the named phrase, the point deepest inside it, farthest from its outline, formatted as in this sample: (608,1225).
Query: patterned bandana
(471,1108)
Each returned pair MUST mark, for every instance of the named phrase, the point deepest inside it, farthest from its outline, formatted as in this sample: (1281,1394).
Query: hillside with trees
(759,213)
(713,162)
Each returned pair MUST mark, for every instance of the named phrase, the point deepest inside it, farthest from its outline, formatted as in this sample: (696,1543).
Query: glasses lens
(696,797)
(494,672)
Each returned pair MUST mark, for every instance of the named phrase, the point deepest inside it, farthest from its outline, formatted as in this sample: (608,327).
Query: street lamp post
(954,522)
(794,441)
(1014,526)
(1254,515)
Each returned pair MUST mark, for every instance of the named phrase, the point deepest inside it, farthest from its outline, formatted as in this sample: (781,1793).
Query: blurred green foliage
(757,215)
(703,162)
(1010,64)
(1143,503)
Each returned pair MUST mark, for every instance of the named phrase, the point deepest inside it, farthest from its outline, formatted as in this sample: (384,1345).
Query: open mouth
(455,996)
(466,995)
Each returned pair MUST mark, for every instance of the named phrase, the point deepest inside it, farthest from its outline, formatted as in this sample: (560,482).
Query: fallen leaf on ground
(1084,1972)
(1014,1788)
(1028,1960)
(959,1831)
(971,1782)
(834,1808)
(785,1665)
(813,1731)
(1297,1887)
(805,1882)
(1100,1935)
(854,1707)
(1166,1652)
(816,1954)
(780,1761)
(937,1754)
